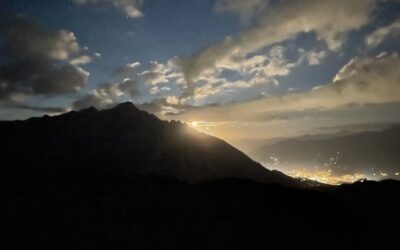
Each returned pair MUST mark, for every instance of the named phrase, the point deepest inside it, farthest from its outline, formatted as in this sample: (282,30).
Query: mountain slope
(124,140)
(155,212)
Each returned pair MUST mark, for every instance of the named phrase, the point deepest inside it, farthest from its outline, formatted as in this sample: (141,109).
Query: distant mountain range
(249,146)
(126,140)
(368,151)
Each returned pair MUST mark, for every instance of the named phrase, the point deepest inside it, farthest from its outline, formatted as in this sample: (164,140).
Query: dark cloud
(36,61)
(151,107)
(90,100)
(158,107)
(127,85)
(40,109)
(133,92)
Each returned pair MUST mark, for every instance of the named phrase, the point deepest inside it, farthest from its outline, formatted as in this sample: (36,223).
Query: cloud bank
(379,35)
(37,61)
(107,94)
(361,81)
(280,22)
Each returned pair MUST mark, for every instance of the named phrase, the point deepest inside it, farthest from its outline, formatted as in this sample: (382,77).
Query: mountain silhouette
(123,179)
(127,140)
(362,152)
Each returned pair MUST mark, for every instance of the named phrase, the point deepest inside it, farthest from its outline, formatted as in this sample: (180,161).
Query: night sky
(235,69)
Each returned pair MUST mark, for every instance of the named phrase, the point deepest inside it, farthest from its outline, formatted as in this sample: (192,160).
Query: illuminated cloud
(379,35)
(253,75)
(81,60)
(361,81)
(280,22)
(315,57)
(126,70)
(130,7)
(107,94)
(155,80)
(158,73)
(39,62)
(272,64)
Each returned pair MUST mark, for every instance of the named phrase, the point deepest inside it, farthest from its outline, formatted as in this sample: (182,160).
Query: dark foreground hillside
(95,211)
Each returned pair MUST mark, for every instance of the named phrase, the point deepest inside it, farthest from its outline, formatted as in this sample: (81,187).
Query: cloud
(361,81)
(126,70)
(54,110)
(36,61)
(130,7)
(253,75)
(315,57)
(107,94)
(169,107)
(153,77)
(157,79)
(81,60)
(378,36)
(157,73)
(329,20)
(241,78)
(271,64)
(160,79)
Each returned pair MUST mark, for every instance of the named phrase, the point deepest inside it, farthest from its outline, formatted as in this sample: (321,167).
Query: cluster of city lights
(324,176)
(325,173)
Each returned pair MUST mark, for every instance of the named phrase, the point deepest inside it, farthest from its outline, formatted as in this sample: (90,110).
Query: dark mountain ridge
(127,140)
